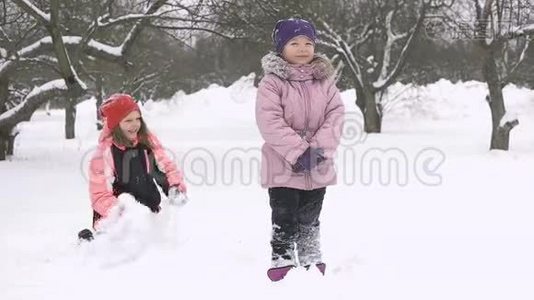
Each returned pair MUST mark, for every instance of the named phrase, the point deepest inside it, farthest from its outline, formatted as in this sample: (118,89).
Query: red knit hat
(116,108)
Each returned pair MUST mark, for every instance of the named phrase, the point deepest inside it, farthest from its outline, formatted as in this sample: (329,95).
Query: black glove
(155,209)
(309,159)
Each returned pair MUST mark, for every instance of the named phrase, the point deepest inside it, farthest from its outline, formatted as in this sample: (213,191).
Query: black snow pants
(295,221)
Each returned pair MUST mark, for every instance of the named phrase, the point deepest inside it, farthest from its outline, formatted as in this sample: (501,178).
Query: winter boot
(276,274)
(320,266)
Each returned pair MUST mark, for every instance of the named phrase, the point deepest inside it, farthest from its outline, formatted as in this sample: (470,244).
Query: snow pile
(213,107)
(444,100)
(124,235)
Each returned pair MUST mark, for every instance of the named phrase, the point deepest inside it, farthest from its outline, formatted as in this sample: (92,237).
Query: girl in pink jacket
(129,159)
(300,114)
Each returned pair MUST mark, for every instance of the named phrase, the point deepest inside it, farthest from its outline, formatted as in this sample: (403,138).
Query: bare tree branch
(138,27)
(35,12)
(4,13)
(195,29)
(106,21)
(414,31)
(343,49)
(39,95)
(366,33)
(522,31)
(45,44)
(519,61)
(391,38)
(478,9)
(44,60)
(67,71)
(4,36)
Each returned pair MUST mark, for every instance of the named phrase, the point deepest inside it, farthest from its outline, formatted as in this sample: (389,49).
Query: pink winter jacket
(102,172)
(298,106)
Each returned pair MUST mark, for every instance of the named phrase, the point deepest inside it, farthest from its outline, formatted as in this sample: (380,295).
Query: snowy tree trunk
(70,118)
(4,93)
(500,134)
(3,146)
(11,144)
(491,44)
(99,99)
(366,101)
(7,143)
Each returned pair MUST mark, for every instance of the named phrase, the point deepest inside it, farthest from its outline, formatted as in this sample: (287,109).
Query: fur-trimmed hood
(298,107)
(320,68)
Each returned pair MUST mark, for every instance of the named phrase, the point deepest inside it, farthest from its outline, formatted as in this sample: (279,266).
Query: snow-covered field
(422,211)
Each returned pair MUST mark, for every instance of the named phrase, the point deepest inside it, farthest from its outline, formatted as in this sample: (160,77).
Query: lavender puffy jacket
(298,106)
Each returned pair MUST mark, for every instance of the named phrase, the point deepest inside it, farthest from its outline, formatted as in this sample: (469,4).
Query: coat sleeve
(166,165)
(272,125)
(100,191)
(329,134)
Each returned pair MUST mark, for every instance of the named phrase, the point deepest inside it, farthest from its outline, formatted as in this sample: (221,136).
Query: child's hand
(176,197)
(309,159)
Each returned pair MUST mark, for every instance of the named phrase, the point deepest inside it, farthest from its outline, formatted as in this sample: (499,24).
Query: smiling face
(299,50)
(130,125)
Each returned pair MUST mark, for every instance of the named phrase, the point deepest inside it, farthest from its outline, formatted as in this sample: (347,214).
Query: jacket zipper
(307,174)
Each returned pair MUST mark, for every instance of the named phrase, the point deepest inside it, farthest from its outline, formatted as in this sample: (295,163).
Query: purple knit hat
(286,29)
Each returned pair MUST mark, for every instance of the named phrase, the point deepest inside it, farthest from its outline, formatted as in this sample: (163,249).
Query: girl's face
(299,50)
(130,125)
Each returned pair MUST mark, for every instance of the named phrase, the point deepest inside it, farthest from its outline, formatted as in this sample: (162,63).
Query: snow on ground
(423,210)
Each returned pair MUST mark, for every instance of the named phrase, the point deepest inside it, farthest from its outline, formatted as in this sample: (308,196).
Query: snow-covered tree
(503,31)
(499,28)
(372,41)
(500,33)
(51,44)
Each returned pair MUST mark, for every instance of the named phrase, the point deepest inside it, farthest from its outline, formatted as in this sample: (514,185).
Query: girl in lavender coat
(299,113)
